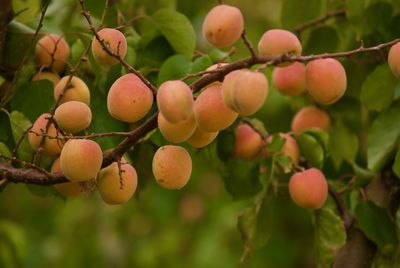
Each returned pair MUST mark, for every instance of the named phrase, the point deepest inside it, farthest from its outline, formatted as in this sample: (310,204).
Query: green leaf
(330,235)
(295,13)
(200,64)
(225,143)
(5,129)
(174,67)
(343,145)
(377,91)
(19,125)
(322,40)
(13,244)
(27,9)
(4,151)
(178,30)
(396,165)
(311,149)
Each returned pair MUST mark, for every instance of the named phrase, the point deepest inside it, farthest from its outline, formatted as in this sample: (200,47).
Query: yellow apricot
(276,42)
(73,116)
(52,51)
(290,80)
(67,189)
(200,138)
(310,117)
(76,91)
(248,143)
(179,132)
(52,77)
(394,60)
(115,40)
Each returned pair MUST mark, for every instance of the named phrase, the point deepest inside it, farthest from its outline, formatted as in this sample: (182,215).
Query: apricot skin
(73,116)
(211,112)
(326,80)
(52,51)
(248,143)
(52,77)
(394,60)
(129,99)
(115,40)
(245,91)
(67,189)
(179,132)
(172,166)
(223,25)
(309,189)
(290,148)
(310,117)
(175,101)
(290,80)
(109,184)
(81,160)
(51,147)
(78,91)
(200,138)
(276,42)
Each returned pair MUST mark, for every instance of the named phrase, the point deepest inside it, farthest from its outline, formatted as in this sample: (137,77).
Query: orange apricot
(200,138)
(52,51)
(76,91)
(310,117)
(248,143)
(290,80)
(178,132)
(277,41)
(394,60)
(73,116)
(52,77)
(114,40)
(67,189)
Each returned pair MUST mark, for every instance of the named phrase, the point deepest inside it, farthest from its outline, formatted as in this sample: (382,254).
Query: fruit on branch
(245,91)
(214,67)
(326,80)
(200,138)
(248,143)
(73,116)
(394,60)
(178,132)
(114,40)
(310,117)
(211,112)
(81,159)
(223,25)
(129,99)
(309,188)
(67,189)
(172,166)
(117,186)
(290,80)
(290,148)
(175,101)
(52,51)
(52,77)
(50,147)
(77,90)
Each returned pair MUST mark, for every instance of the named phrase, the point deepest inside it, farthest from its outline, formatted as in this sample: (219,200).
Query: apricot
(223,25)
(76,91)
(73,116)
(211,112)
(179,132)
(290,148)
(114,191)
(326,80)
(310,117)
(67,189)
(290,80)
(113,39)
(81,160)
(248,143)
(50,147)
(245,91)
(129,99)
(277,41)
(394,60)
(175,101)
(52,77)
(172,166)
(52,51)
(309,188)
(200,138)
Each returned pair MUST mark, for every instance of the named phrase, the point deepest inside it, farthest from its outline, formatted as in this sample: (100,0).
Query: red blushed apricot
(52,51)
(223,25)
(52,77)
(290,148)
(81,160)
(310,117)
(175,101)
(248,143)
(309,189)
(179,132)
(115,40)
(50,147)
(245,91)
(290,80)
(67,189)
(172,166)
(200,138)
(73,116)
(129,99)
(76,91)
(276,42)
(211,112)
(326,80)
(394,60)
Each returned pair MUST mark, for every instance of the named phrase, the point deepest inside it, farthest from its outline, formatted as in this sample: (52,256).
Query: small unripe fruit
(172,166)
(76,91)
(310,117)
(223,25)
(248,143)
(52,77)
(113,39)
(326,80)
(179,132)
(200,138)
(67,189)
(81,159)
(51,147)
(175,101)
(309,189)
(109,185)
(290,80)
(73,116)
(211,112)
(52,51)
(245,91)
(129,99)
(290,148)
(394,60)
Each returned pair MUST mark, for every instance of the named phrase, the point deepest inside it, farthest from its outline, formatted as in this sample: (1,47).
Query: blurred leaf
(320,135)
(343,144)
(4,151)
(174,67)
(311,149)
(19,124)
(225,144)
(322,40)
(42,190)
(295,13)
(27,9)
(217,55)
(200,64)
(396,165)
(13,244)
(5,129)
(276,143)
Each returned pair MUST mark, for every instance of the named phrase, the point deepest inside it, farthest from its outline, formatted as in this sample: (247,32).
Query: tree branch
(338,13)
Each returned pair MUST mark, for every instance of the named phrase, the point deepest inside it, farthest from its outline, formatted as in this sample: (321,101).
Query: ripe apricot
(178,132)
(52,77)
(73,116)
(67,189)
(394,60)
(310,117)
(223,25)
(76,91)
(52,51)
(200,138)
(290,148)
(172,166)
(277,41)
(129,99)
(248,143)
(113,39)
(290,80)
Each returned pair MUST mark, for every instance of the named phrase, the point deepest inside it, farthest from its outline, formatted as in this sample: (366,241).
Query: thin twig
(344,214)
(338,13)
(248,44)
(89,136)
